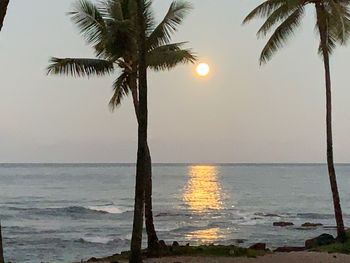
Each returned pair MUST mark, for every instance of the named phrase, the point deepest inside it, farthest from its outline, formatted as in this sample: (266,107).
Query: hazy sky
(241,113)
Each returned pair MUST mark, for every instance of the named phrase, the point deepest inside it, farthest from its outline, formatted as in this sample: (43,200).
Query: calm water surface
(67,212)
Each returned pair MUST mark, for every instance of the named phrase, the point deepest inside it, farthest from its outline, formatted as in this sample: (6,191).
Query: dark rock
(283,224)
(162,244)
(324,239)
(266,214)
(308,224)
(258,246)
(176,244)
(289,249)
(330,227)
(188,244)
(125,253)
(92,259)
(239,241)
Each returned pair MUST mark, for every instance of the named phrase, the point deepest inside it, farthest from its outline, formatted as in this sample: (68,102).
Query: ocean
(69,212)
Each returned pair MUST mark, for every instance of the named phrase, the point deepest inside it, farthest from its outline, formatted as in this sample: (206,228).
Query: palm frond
(161,35)
(120,27)
(120,90)
(149,17)
(281,34)
(79,67)
(3,11)
(279,14)
(89,19)
(330,46)
(169,56)
(323,19)
(264,10)
(338,20)
(113,10)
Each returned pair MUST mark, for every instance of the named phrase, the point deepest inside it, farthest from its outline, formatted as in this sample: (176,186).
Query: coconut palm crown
(110,28)
(285,17)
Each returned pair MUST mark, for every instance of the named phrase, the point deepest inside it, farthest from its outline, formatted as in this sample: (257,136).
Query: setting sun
(203,69)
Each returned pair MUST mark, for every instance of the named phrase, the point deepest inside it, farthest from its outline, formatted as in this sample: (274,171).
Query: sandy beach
(293,257)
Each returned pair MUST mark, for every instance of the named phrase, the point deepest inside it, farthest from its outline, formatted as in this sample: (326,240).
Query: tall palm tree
(333,26)
(136,239)
(3,10)
(111,29)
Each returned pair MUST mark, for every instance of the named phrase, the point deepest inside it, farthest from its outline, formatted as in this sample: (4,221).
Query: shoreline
(321,249)
(273,257)
(277,257)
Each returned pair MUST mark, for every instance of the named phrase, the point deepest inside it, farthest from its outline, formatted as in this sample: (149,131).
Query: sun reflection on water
(203,195)
(205,235)
(203,191)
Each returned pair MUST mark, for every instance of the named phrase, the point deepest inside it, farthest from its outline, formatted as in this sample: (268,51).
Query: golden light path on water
(206,236)
(203,194)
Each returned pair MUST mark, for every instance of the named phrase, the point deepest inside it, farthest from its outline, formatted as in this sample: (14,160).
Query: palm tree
(333,26)
(136,239)
(3,10)
(111,30)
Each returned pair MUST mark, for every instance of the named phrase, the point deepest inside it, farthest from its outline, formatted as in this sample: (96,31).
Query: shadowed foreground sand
(293,257)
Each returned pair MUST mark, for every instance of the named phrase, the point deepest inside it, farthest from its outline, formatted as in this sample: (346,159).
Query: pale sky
(240,113)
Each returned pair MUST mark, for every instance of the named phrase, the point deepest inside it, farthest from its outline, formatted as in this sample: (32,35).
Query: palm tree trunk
(136,240)
(330,160)
(3,10)
(152,238)
(1,248)
(134,93)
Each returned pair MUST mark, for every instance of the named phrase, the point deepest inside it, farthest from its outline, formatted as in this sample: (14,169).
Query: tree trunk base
(342,238)
(153,248)
(1,248)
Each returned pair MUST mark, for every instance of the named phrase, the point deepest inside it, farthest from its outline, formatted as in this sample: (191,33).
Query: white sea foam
(111,209)
(96,239)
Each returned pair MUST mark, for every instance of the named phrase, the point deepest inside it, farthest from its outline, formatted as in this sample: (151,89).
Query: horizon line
(174,163)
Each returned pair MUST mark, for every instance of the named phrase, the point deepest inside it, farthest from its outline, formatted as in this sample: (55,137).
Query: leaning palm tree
(3,10)
(112,29)
(333,27)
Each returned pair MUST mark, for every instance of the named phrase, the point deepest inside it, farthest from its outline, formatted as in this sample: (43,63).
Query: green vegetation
(337,247)
(208,250)
(192,251)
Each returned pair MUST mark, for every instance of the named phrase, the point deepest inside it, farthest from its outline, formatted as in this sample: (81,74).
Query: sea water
(69,212)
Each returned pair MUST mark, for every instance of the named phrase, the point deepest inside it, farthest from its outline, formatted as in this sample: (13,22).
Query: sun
(203,69)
